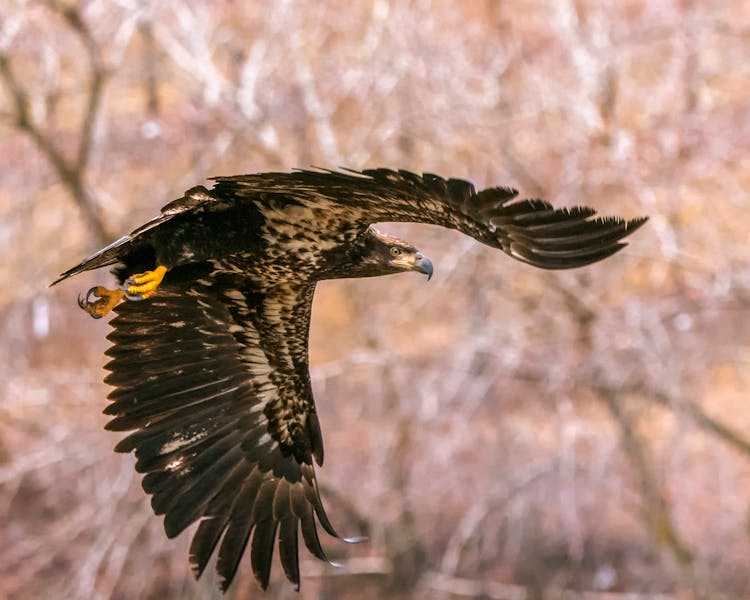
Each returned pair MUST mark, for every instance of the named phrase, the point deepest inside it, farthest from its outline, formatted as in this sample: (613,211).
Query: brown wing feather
(194,378)
(532,231)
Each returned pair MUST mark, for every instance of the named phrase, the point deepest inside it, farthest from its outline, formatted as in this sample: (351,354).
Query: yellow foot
(107,299)
(144,285)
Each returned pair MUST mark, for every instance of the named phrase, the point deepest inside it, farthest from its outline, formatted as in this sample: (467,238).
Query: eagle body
(210,371)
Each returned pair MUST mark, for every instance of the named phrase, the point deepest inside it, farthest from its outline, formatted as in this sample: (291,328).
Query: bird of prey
(209,354)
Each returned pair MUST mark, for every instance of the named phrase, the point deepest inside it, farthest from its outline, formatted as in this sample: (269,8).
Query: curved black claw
(99,301)
(129,296)
(87,304)
(356,539)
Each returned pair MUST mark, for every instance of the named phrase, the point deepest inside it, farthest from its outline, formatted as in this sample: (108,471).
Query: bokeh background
(501,432)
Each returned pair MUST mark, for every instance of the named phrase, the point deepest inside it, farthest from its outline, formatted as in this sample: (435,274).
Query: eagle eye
(395,251)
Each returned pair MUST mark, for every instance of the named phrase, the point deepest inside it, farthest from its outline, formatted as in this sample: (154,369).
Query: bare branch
(97,79)
(459,586)
(70,172)
(655,508)
(704,421)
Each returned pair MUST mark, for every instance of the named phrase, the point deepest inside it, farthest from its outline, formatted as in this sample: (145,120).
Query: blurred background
(500,432)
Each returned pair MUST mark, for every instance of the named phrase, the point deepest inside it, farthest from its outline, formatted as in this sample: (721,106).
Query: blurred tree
(569,433)
(70,170)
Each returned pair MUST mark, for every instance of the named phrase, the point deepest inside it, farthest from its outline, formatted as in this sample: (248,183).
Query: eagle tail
(117,250)
(110,255)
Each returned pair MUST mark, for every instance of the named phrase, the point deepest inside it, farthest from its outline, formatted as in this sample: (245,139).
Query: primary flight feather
(210,371)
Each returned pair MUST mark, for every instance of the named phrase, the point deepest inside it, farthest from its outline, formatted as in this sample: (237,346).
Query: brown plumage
(210,371)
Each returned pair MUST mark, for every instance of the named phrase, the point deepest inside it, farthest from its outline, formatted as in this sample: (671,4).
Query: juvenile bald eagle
(210,371)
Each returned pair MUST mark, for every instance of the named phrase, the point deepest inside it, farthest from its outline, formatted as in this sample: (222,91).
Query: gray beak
(423,265)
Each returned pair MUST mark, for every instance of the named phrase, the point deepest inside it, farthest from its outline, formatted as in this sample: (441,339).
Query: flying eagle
(210,371)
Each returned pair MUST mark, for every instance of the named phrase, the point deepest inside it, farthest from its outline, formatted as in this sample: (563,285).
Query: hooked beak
(422,264)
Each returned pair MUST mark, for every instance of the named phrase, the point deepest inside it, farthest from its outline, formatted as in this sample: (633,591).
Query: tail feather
(114,253)
(106,256)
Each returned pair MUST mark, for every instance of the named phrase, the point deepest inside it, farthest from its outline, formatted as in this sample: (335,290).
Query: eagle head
(386,254)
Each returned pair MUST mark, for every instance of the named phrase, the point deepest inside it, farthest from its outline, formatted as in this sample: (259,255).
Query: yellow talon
(107,299)
(144,285)
(99,301)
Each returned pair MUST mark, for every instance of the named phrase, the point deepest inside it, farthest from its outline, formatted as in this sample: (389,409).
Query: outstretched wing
(213,378)
(532,231)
